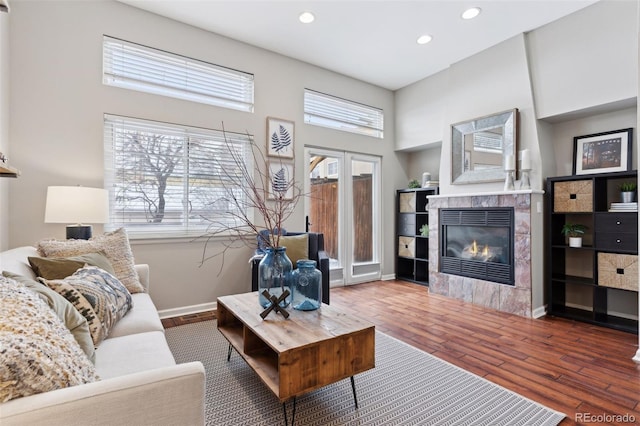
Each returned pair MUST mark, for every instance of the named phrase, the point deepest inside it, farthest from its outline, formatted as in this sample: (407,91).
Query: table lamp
(79,205)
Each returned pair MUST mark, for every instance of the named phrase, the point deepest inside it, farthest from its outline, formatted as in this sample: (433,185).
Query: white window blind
(169,180)
(137,67)
(325,110)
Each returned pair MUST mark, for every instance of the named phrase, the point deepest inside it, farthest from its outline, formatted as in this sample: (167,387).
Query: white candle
(525,159)
(509,162)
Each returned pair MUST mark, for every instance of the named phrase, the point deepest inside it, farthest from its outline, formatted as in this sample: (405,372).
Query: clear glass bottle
(274,275)
(307,291)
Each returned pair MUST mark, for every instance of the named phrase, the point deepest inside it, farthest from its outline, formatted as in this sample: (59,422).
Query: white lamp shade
(76,204)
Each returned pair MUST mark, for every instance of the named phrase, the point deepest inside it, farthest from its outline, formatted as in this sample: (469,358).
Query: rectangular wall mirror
(479,146)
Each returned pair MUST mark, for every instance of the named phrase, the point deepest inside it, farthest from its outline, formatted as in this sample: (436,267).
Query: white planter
(575,241)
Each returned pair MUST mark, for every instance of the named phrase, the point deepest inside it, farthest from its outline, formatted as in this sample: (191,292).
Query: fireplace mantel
(525,298)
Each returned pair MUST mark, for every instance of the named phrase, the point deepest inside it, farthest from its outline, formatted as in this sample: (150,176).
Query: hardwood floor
(581,370)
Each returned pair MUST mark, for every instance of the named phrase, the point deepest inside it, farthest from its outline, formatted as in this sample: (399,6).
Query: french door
(344,205)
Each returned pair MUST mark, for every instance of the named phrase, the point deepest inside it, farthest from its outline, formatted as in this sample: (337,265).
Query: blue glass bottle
(307,291)
(274,275)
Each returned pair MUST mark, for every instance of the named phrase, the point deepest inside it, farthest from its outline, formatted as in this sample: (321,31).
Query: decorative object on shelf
(510,169)
(628,192)
(5,169)
(413,184)
(280,138)
(307,291)
(426,179)
(274,277)
(424,230)
(574,231)
(525,169)
(602,152)
(478,147)
(274,304)
(79,205)
(4,6)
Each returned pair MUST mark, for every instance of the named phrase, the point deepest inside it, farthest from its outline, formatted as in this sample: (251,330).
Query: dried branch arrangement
(256,199)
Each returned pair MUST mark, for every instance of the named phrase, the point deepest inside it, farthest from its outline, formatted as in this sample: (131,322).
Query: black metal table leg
(229,352)
(353,387)
(293,416)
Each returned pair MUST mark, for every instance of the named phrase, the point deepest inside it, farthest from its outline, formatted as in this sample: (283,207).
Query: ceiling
(373,41)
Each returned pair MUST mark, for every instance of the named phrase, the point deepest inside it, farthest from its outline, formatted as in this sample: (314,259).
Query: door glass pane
(324,203)
(362,175)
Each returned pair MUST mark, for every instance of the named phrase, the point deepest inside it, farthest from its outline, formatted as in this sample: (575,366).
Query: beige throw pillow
(115,246)
(38,354)
(68,314)
(297,247)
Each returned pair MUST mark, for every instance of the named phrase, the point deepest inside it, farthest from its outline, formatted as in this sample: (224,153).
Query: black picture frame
(603,152)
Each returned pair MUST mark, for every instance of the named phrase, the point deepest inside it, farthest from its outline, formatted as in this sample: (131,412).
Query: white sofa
(141,384)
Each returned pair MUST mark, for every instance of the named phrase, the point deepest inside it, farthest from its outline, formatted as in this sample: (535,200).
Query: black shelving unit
(412,248)
(591,283)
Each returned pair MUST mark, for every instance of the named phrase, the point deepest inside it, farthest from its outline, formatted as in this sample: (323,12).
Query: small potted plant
(628,192)
(574,231)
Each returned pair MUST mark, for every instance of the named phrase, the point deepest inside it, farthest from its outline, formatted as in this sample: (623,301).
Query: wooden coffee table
(293,356)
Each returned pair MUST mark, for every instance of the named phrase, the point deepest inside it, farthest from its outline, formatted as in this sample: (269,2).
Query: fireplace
(478,243)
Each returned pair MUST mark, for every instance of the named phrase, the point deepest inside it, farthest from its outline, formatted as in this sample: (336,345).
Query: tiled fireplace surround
(516,299)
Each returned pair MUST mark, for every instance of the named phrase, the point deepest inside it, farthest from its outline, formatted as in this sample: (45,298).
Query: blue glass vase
(274,275)
(307,291)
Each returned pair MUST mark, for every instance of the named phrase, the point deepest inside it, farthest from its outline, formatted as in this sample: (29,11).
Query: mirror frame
(508,120)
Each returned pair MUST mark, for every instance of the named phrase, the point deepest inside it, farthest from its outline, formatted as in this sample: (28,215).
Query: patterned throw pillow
(115,246)
(37,352)
(98,296)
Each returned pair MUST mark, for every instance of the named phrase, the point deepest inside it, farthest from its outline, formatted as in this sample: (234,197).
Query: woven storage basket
(407,202)
(573,196)
(618,271)
(406,247)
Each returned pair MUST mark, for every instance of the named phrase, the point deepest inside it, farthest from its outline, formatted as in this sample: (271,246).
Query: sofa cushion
(142,317)
(297,247)
(37,352)
(15,260)
(98,296)
(55,268)
(68,314)
(118,356)
(115,246)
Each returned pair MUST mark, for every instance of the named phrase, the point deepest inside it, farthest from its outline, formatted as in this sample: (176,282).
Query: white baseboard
(388,277)
(187,310)
(637,357)
(539,312)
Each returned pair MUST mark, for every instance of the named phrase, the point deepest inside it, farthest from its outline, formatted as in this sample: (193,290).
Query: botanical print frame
(280,138)
(603,152)
(281,180)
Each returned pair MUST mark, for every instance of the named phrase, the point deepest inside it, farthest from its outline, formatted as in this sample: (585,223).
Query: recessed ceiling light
(471,13)
(424,39)
(306,17)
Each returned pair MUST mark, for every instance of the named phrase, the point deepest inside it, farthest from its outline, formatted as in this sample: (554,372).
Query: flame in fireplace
(484,254)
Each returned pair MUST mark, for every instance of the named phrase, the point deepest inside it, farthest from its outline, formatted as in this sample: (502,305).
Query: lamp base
(79,232)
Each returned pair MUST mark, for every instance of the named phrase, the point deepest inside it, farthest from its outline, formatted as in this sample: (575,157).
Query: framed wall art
(280,138)
(602,152)
(280,180)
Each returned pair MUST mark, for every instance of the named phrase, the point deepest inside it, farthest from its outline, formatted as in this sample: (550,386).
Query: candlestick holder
(525,182)
(509,180)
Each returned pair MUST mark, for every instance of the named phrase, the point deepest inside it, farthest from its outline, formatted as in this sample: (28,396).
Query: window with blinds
(137,67)
(325,110)
(169,180)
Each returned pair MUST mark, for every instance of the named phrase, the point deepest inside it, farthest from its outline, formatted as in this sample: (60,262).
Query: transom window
(325,110)
(145,69)
(170,180)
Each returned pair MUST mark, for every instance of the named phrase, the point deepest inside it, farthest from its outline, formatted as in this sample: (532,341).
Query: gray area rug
(407,387)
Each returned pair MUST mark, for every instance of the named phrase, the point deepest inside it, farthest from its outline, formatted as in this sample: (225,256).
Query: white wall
(58,101)
(4,127)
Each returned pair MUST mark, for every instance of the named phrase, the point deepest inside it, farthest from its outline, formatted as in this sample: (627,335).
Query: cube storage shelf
(412,249)
(598,282)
